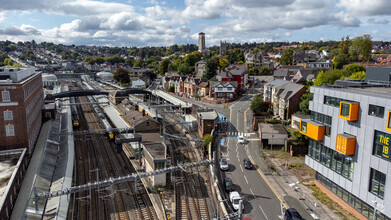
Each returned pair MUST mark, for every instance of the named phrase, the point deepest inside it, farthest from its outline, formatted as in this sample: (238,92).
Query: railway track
(190,189)
(97,160)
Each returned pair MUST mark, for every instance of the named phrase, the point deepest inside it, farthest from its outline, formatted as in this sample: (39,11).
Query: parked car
(228,184)
(223,164)
(247,163)
(235,199)
(292,214)
(241,140)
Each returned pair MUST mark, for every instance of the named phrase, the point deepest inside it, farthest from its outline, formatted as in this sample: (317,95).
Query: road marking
(245,178)
(267,182)
(252,193)
(263,212)
(241,167)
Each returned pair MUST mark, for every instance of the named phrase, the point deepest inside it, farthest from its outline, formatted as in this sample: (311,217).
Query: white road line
(241,167)
(245,178)
(263,212)
(252,193)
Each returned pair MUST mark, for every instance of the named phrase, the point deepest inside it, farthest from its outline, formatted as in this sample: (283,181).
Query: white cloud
(366,7)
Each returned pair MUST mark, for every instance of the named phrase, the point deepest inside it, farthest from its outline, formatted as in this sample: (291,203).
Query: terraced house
(349,135)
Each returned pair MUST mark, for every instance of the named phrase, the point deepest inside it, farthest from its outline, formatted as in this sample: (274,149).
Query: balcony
(349,110)
(346,144)
(312,129)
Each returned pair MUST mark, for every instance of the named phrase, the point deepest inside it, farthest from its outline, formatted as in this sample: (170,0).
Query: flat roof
(172,99)
(212,115)
(383,92)
(272,128)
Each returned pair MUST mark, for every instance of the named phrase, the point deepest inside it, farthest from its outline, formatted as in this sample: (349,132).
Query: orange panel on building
(346,144)
(313,130)
(352,114)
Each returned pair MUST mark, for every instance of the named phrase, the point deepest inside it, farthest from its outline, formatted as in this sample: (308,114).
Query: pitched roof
(223,83)
(276,83)
(203,85)
(288,90)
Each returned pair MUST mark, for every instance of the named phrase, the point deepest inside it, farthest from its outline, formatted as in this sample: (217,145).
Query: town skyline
(162,23)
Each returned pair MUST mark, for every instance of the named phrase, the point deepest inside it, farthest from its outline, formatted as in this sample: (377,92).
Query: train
(102,118)
(75,114)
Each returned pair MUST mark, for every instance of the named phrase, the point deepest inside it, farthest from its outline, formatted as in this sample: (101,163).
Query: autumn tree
(121,75)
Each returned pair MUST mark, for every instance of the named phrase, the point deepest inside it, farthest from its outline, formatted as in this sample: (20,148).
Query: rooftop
(15,74)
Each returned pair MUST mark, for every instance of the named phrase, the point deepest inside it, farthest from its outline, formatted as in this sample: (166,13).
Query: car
(223,164)
(241,140)
(247,163)
(228,185)
(292,214)
(235,199)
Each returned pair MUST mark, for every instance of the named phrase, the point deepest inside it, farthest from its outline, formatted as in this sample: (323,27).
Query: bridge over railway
(74,93)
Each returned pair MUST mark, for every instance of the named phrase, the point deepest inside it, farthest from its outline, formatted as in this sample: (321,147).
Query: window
(347,169)
(303,127)
(378,181)
(376,111)
(9,130)
(229,88)
(337,162)
(326,155)
(345,109)
(389,121)
(5,96)
(8,116)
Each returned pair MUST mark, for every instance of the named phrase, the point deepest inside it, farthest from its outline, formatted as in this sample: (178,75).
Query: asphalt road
(259,200)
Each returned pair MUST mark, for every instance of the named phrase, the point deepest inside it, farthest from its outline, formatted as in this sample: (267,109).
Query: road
(260,202)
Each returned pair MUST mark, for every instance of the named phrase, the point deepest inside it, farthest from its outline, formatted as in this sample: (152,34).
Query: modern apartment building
(349,135)
(21,102)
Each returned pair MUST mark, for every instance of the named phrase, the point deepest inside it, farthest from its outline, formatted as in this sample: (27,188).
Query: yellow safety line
(267,182)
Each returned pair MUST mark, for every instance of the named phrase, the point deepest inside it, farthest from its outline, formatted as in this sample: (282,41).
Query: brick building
(21,102)
(206,121)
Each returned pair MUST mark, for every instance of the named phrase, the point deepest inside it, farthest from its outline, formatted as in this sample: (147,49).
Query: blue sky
(162,23)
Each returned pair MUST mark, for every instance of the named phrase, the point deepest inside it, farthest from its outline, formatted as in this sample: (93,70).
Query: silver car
(223,164)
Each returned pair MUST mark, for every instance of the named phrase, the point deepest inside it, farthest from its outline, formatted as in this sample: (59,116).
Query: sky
(162,23)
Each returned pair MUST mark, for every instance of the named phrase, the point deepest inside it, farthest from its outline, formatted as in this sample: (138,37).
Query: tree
(191,59)
(171,88)
(340,60)
(99,60)
(305,99)
(163,67)
(344,45)
(212,66)
(115,59)
(329,77)
(7,62)
(257,105)
(207,140)
(354,68)
(184,69)
(287,57)
(361,48)
(223,62)
(121,75)
(265,71)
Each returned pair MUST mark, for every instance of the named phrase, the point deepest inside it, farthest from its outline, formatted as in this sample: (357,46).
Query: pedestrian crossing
(235,133)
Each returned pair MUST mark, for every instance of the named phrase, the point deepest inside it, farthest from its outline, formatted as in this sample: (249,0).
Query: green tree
(191,59)
(184,69)
(121,75)
(287,57)
(340,60)
(257,105)
(171,88)
(89,60)
(8,62)
(163,67)
(115,59)
(99,60)
(223,62)
(354,68)
(265,71)
(305,99)
(212,66)
(361,48)
(205,145)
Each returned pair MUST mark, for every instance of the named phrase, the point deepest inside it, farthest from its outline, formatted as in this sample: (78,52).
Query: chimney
(136,107)
(143,112)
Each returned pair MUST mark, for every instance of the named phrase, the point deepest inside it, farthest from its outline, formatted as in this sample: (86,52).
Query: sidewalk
(289,189)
